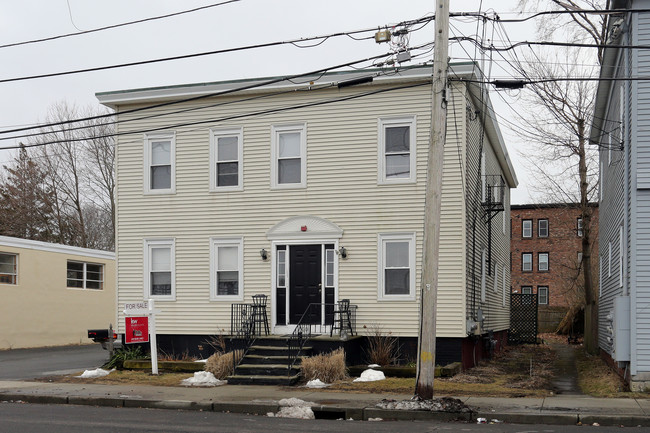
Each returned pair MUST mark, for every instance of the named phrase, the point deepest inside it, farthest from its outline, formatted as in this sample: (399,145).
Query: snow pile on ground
(370,375)
(444,404)
(316,383)
(91,374)
(294,408)
(201,360)
(202,378)
(374,366)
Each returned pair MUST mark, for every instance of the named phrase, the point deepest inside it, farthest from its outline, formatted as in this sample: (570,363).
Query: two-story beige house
(311,190)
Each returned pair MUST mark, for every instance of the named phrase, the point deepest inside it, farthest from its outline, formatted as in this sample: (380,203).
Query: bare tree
(556,120)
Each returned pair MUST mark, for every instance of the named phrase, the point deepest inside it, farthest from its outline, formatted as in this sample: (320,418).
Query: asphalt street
(21,364)
(37,418)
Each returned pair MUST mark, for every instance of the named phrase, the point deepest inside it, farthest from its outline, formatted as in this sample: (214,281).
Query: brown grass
(597,379)
(124,377)
(185,356)
(328,367)
(220,365)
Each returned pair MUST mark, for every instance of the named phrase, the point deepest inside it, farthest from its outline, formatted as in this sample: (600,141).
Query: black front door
(305,282)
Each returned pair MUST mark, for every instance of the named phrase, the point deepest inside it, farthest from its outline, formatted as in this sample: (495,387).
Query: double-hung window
(227,262)
(159,269)
(226,159)
(542,262)
(8,268)
(527,228)
(289,156)
(542,228)
(579,227)
(397,266)
(397,150)
(483,273)
(527,262)
(82,275)
(542,295)
(159,157)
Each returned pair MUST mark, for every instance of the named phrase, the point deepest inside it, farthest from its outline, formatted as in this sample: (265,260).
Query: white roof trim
(316,229)
(55,248)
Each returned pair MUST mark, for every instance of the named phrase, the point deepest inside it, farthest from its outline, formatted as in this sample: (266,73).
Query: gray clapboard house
(621,129)
(311,191)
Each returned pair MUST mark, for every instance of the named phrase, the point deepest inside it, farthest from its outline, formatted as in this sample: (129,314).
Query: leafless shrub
(217,343)
(221,365)
(185,356)
(328,367)
(383,349)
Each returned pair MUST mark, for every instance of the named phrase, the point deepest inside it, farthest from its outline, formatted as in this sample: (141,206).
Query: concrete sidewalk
(263,399)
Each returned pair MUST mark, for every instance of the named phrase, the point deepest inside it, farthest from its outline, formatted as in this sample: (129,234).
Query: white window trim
(148,138)
(503,284)
(275,152)
(17,261)
(523,230)
(531,262)
(148,244)
(539,228)
(609,262)
(215,134)
(85,276)
(495,286)
(381,256)
(215,242)
(538,297)
(539,261)
(621,256)
(483,273)
(483,178)
(383,122)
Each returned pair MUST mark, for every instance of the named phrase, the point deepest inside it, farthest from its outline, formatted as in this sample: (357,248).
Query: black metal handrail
(241,329)
(318,318)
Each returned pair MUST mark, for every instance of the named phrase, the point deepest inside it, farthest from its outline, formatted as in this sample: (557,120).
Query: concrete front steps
(267,363)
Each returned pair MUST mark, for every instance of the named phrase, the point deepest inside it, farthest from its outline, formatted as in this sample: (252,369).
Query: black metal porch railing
(317,319)
(242,328)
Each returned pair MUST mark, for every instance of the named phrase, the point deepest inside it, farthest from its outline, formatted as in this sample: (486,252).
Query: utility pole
(431,250)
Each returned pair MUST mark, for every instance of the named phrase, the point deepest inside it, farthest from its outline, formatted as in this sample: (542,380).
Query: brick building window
(542,228)
(542,295)
(527,228)
(527,262)
(579,227)
(542,262)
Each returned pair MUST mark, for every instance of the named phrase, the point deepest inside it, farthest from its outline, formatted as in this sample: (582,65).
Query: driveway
(21,364)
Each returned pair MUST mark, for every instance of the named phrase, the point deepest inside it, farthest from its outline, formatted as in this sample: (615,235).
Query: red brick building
(545,253)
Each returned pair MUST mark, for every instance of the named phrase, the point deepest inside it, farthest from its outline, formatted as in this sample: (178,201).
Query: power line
(114,26)
(227,118)
(254,85)
(205,53)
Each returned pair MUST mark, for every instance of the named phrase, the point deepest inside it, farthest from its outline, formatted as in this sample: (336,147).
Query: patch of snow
(270,414)
(91,374)
(201,360)
(316,383)
(444,404)
(202,378)
(375,419)
(298,412)
(295,402)
(370,375)
(374,366)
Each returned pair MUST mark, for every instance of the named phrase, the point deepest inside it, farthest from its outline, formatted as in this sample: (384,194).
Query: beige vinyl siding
(342,187)
(496,316)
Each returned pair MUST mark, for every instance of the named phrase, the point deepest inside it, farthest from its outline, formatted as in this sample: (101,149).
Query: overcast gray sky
(237,24)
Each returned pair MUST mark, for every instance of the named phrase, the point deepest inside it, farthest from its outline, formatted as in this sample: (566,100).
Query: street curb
(31,398)
(616,420)
(415,415)
(531,418)
(96,401)
(251,408)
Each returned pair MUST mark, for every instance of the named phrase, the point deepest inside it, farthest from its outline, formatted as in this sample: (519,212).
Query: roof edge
(55,248)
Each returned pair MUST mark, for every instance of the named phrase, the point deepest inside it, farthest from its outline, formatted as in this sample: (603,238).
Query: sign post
(142,327)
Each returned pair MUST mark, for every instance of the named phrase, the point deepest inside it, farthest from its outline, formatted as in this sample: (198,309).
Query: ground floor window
(8,268)
(82,275)
(542,295)
(397,266)
(159,265)
(227,262)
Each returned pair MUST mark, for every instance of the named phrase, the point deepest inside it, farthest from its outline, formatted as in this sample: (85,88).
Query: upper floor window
(542,262)
(159,269)
(542,228)
(82,275)
(542,295)
(621,255)
(579,227)
(527,228)
(227,264)
(226,159)
(527,262)
(483,273)
(397,150)
(159,160)
(8,268)
(397,266)
(289,156)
